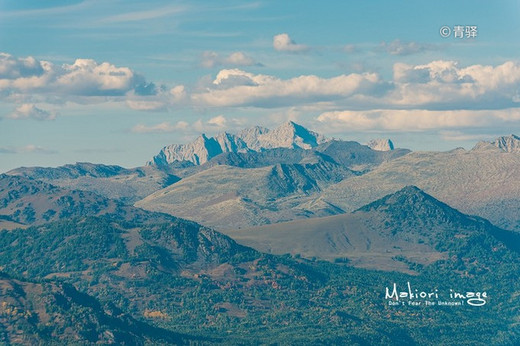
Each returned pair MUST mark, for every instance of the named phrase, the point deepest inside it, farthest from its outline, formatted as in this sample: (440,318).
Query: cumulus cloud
(161,100)
(26,111)
(415,119)
(212,59)
(83,78)
(284,43)
(88,78)
(178,93)
(236,87)
(437,85)
(219,121)
(12,67)
(444,84)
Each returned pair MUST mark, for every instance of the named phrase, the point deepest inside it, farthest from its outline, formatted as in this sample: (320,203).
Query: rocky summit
(381,144)
(255,139)
(509,143)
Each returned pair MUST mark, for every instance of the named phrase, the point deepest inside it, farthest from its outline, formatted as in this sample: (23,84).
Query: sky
(113,81)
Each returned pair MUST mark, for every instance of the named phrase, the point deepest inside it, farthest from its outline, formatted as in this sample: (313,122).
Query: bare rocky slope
(482,182)
(408,226)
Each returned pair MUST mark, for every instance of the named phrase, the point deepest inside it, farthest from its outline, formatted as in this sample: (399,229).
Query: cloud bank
(439,94)
(235,87)
(414,119)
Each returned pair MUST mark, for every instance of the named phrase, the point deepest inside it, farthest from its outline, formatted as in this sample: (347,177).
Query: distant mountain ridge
(255,139)
(115,182)
(25,201)
(408,225)
(508,144)
(482,181)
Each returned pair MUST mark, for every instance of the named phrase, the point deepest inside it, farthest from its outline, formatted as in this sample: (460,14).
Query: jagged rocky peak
(251,136)
(381,144)
(199,151)
(288,135)
(509,143)
(231,143)
(292,135)
(256,139)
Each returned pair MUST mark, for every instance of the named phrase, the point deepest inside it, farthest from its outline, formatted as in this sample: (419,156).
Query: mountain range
(308,176)
(291,238)
(288,135)
(111,278)
(127,185)
(481,181)
(26,201)
(406,226)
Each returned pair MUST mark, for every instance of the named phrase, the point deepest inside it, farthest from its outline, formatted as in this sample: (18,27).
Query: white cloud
(212,125)
(160,128)
(31,111)
(434,86)
(397,47)
(12,68)
(284,43)
(83,78)
(88,78)
(31,148)
(438,85)
(445,84)
(160,100)
(144,15)
(236,87)
(146,105)
(461,136)
(178,93)
(212,59)
(239,59)
(415,120)
(219,121)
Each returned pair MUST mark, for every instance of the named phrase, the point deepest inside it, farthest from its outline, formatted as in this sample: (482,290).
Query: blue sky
(115,81)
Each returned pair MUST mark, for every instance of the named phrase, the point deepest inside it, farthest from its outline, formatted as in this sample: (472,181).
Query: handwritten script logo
(416,297)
